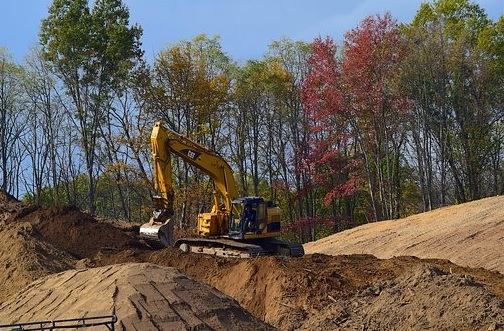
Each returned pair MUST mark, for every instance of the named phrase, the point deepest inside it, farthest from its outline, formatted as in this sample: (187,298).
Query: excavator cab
(252,218)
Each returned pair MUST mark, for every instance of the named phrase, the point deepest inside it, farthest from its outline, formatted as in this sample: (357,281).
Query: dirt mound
(144,297)
(77,232)
(25,256)
(470,234)
(6,198)
(319,292)
(421,297)
(9,206)
(429,298)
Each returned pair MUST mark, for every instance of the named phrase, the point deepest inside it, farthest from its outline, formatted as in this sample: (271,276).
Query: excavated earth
(441,270)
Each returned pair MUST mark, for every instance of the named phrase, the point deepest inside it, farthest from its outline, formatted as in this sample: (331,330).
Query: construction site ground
(440,270)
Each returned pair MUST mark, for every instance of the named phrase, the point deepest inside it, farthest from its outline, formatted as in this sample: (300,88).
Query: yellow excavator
(235,227)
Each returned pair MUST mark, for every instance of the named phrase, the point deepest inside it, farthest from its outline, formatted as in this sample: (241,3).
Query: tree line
(398,119)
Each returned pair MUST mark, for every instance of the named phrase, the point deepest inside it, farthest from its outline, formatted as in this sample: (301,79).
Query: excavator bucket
(157,234)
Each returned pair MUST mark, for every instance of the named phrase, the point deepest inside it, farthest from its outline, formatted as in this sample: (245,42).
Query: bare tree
(43,135)
(11,124)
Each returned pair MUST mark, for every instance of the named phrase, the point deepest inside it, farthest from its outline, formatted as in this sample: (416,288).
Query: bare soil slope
(78,233)
(25,256)
(470,234)
(106,264)
(143,296)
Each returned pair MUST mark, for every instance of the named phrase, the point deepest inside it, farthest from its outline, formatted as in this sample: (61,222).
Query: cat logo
(191,154)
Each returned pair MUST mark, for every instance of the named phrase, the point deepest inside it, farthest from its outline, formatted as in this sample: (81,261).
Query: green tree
(452,76)
(258,121)
(92,52)
(249,125)
(190,93)
(289,131)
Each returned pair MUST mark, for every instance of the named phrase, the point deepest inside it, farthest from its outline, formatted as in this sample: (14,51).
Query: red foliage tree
(327,158)
(370,76)
(355,110)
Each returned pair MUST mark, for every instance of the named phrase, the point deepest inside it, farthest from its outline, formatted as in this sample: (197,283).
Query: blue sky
(245,27)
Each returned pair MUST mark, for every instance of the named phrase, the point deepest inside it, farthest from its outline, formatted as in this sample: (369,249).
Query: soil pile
(470,234)
(25,256)
(10,206)
(356,292)
(429,298)
(143,296)
(316,292)
(77,232)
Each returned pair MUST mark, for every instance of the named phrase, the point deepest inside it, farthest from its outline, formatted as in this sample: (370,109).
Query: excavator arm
(164,144)
(163,202)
